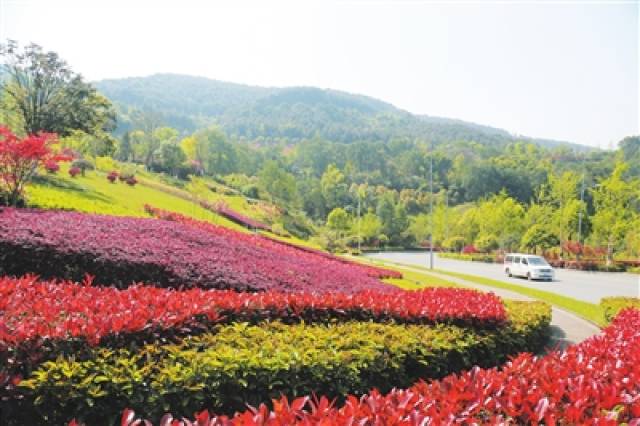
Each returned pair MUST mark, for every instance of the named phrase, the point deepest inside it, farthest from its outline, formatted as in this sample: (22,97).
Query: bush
(74,171)
(474,257)
(131,181)
(83,165)
(593,383)
(122,250)
(486,243)
(44,319)
(105,164)
(453,243)
(250,191)
(243,364)
(51,166)
(112,176)
(469,249)
(611,306)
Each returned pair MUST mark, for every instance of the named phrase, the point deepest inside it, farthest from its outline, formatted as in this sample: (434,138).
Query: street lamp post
(580,212)
(359,220)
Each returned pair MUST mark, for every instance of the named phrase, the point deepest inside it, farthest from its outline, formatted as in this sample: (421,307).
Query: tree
(539,237)
(339,220)
(89,145)
(486,243)
(49,96)
(613,216)
(370,228)
(19,160)
(334,187)
(125,150)
(170,157)
(212,150)
(280,185)
(385,212)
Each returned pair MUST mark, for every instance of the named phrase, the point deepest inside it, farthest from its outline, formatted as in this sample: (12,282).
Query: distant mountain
(292,114)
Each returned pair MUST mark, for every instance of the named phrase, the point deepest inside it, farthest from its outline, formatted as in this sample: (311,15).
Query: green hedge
(611,306)
(242,364)
(475,257)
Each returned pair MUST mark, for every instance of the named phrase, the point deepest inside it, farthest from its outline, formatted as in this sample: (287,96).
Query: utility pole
(359,233)
(580,212)
(431,207)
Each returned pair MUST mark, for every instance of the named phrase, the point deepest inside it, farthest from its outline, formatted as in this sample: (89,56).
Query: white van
(529,266)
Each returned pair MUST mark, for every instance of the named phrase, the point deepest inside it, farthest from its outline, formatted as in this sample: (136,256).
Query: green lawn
(93,193)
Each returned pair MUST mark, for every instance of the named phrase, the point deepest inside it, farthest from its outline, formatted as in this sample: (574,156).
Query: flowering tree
(19,161)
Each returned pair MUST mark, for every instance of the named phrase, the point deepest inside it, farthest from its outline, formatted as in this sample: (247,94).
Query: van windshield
(537,261)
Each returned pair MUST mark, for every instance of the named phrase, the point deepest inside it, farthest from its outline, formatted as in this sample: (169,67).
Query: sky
(560,70)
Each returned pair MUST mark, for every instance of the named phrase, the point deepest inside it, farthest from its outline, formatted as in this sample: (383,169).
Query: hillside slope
(291,114)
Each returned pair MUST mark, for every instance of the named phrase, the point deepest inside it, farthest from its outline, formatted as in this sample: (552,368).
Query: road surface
(581,285)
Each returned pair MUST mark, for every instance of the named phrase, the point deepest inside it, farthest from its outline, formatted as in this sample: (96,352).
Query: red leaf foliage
(122,250)
(20,158)
(269,242)
(30,309)
(596,382)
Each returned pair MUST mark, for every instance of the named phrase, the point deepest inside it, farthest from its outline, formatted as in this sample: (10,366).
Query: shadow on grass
(71,187)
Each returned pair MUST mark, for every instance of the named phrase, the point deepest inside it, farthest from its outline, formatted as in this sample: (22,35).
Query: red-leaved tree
(19,161)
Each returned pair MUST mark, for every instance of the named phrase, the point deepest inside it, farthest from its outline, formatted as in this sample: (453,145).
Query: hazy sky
(565,70)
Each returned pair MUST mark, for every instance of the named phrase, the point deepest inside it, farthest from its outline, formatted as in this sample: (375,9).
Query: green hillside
(287,114)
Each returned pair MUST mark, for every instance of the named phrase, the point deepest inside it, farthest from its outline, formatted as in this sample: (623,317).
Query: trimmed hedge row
(243,364)
(42,320)
(596,382)
(120,251)
(612,306)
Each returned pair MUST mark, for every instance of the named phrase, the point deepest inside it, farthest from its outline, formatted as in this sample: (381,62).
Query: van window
(516,259)
(524,261)
(508,259)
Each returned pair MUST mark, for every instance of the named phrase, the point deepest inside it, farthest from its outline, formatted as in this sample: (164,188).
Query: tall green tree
(334,187)
(613,200)
(49,96)
(278,184)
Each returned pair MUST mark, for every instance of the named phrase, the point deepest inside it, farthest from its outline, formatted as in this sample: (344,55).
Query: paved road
(587,286)
(566,328)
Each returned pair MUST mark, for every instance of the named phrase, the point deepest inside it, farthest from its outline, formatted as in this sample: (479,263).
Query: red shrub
(112,176)
(122,250)
(74,171)
(470,249)
(32,310)
(131,181)
(269,242)
(51,166)
(20,159)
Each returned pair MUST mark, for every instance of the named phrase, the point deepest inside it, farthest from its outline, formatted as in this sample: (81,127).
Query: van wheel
(529,276)
(509,273)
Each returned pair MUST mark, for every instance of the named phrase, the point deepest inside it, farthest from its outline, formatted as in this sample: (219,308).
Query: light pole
(580,212)
(359,233)
(431,207)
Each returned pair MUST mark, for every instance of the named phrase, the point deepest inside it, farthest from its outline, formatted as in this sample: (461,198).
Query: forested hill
(286,114)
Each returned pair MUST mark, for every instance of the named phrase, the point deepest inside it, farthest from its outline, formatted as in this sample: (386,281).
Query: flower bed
(596,382)
(242,364)
(273,244)
(40,320)
(120,251)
